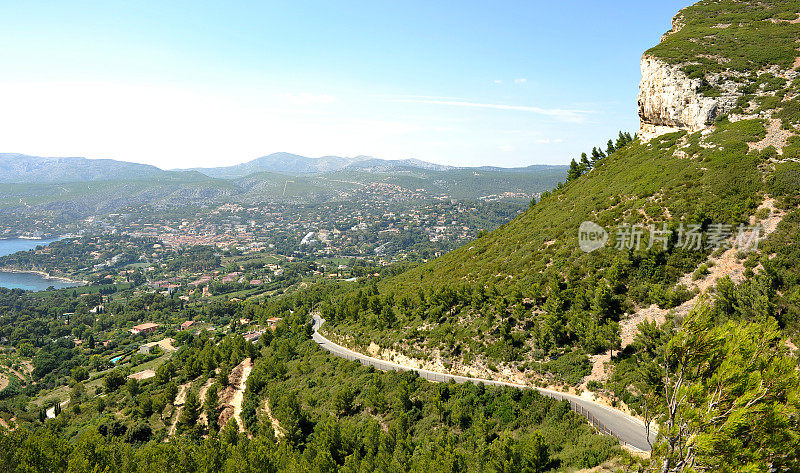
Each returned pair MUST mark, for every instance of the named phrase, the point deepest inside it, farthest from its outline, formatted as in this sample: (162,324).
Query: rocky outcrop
(669,100)
(677,23)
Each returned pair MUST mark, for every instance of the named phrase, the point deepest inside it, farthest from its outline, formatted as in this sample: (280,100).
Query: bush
(139,433)
(570,367)
(701,272)
(785,181)
(113,380)
(80,374)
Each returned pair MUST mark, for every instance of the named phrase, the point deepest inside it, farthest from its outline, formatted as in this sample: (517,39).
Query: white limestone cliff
(670,101)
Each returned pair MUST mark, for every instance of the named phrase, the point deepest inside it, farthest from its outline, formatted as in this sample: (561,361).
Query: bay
(27,281)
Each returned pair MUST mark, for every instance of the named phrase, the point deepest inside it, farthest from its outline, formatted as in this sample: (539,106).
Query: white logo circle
(591,236)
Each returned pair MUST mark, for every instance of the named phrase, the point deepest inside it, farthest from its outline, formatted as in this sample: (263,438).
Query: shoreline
(30,238)
(44,275)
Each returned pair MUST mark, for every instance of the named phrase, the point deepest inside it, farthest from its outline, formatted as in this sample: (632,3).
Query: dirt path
(598,368)
(5,425)
(775,136)
(276,426)
(238,398)
(26,368)
(180,400)
(50,413)
(202,395)
(233,395)
(3,381)
(727,264)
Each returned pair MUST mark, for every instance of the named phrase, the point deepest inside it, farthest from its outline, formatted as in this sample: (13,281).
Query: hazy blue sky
(180,84)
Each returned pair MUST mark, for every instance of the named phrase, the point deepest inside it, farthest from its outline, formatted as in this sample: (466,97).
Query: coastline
(34,238)
(45,275)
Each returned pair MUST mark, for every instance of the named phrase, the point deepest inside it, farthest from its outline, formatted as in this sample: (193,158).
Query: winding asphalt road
(627,429)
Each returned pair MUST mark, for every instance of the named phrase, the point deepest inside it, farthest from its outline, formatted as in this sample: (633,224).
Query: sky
(199,84)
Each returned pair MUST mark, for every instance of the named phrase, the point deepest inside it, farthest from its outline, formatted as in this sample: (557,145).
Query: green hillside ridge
(696,342)
(525,303)
(527,289)
(731,35)
(325,413)
(68,201)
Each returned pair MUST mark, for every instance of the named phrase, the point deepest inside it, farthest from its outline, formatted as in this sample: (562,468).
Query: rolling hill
(296,165)
(18,168)
(716,155)
(74,188)
(284,163)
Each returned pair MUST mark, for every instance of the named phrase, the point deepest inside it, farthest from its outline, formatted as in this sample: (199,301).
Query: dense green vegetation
(719,377)
(334,415)
(80,255)
(54,207)
(735,35)
(721,384)
(527,293)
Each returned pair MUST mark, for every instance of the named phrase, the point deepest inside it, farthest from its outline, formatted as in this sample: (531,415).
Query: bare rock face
(670,101)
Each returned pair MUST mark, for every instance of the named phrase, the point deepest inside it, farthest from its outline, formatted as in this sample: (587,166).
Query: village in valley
(145,281)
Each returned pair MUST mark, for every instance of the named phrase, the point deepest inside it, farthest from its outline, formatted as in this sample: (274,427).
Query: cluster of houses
(254,335)
(149,327)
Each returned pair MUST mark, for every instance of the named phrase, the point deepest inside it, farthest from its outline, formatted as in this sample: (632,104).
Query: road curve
(627,429)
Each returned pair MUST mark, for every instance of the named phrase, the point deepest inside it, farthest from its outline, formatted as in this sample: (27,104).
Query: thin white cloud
(497,81)
(507,148)
(404,97)
(557,113)
(521,80)
(306,98)
(547,141)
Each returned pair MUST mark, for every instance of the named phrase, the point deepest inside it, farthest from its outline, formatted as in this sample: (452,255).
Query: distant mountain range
(283,163)
(20,168)
(67,189)
(295,165)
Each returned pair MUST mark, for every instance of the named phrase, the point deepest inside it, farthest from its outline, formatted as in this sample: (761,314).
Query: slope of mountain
(530,303)
(459,183)
(284,163)
(370,164)
(75,200)
(295,165)
(93,187)
(90,186)
(22,168)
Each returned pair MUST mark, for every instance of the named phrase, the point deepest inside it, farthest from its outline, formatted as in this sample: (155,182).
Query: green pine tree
(574,171)
(210,408)
(191,411)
